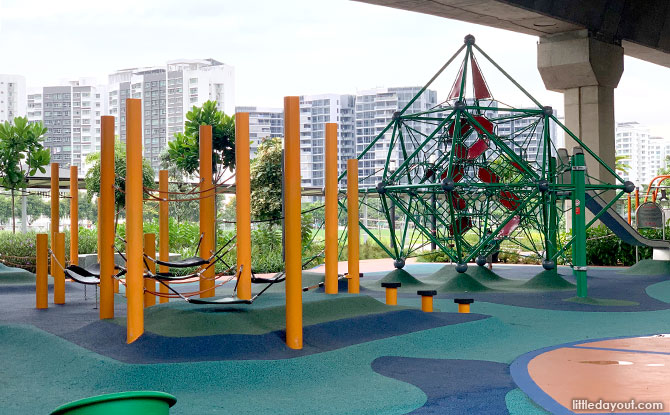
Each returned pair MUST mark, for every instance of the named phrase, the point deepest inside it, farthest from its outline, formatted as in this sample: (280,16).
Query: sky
(288,47)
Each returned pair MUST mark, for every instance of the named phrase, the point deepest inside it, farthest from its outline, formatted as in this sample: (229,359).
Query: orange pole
(134,194)
(58,248)
(353,244)
(164,228)
(74,216)
(391,296)
(637,198)
(206,209)
(150,284)
(427,303)
(41,278)
(243,203)
(464,308)
(55,214)
(106,205)
(630,203)
(293,243)
(331,209)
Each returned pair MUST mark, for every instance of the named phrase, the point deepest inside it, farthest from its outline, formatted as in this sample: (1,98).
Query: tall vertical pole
(150,284)
(331,208)
(74,216)
(552,240)
(134,248)
(354,239)
(243,204)
(433,220)
(41,279)
(630,205)
(58,248)
(292,195)
(24,213)
(55,214)
(164,228)
(206,209)
(106,206)
(579,221)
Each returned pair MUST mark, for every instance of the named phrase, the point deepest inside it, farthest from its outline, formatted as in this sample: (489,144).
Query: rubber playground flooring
(360,356)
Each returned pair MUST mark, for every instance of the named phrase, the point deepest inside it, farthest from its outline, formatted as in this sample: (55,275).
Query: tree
(266,180)
(186,210)
(93,176)
(620,163)
(21,155)
(183,151)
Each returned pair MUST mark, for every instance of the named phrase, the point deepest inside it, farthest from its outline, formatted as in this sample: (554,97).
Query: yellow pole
(74,216)
(57,273)
(353,243)
(55,188)
(243,203)
(134,193)
(150,284)
(292,208)
(164,228)
(464,308)
(206,209)
(106,205)
(41,280)
(331,208)
(427,300)
(391,296)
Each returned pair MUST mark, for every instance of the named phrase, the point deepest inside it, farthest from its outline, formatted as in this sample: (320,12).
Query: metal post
(579,220)
(433,220)
(74,216)
(293,262)
(106,207)
(24,213)
(134,248)
(331,209)
(206,210)
(243,204)
(354,239)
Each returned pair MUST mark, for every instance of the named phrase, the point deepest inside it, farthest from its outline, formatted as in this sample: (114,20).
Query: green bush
(18,249)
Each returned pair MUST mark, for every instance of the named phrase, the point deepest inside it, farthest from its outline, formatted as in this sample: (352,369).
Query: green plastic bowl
(130,403)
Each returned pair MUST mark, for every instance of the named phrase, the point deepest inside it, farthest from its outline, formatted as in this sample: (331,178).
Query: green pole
(578,174)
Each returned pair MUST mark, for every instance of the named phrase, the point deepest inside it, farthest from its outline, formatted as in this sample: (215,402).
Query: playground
(378,336)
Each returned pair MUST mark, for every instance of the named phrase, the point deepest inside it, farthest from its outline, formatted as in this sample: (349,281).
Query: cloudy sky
(288,47)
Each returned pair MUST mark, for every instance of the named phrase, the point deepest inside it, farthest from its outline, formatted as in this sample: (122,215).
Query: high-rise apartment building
(263,123)
(12,97)
(644,154)
(315,112)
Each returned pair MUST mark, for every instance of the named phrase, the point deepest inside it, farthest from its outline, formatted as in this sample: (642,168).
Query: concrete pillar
(586,70)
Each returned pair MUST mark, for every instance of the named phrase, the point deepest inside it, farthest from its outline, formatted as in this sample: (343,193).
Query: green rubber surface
(648,267)
(548,280)
(462,283)
(406,279)
(601,301)
(9,275)
(659,291)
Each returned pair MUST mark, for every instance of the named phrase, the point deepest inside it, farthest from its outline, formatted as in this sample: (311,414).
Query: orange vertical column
(164,228)
(106,205)
(331,208)
(150,284)
(353,242)
(74,216)
(293,248)
(206,209)
(41,278)
(134,248)
(58,248)
(243,203)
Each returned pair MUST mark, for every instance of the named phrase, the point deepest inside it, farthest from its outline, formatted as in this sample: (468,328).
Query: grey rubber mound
(548,280)
(648,267)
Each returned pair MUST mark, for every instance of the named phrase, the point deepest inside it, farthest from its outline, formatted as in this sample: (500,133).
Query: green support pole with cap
(578,175)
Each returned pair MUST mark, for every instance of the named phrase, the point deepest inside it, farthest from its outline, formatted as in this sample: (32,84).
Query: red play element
(485,123)
(457,172)
(509,200)
(477,149)
(518,166)
(466,225)
(429,174)
(510,226)
(481,89)
(487,176)
(456,89)
(465,127)
(457,201)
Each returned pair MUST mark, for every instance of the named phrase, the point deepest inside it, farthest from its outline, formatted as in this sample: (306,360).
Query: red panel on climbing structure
(465,127)
(510,226)
(457,172)
(487,176)
(429,174)
(481,89)
(518,166)
(485,123)
(456,89)
(466,225)
(477,149)
(509,200)
(457,201)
